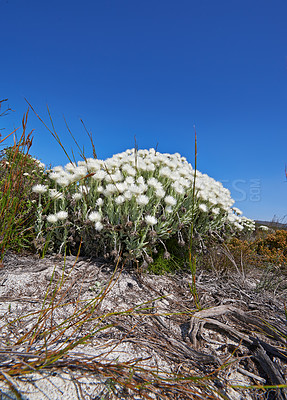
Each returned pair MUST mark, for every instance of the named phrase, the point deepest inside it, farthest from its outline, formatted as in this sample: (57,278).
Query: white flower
(99,175)
(143,152)
(203,195)
(70,167)
(116,177)
(136,189)
(55,195)
(165,172)
(61,215)
(140,180)
(111,163)
(170,201)
(80,171)
(58,169)
(238,226)
(52,218)
(77,196)
(160,193)
(122,186)
(93,165)
(26,174)
(141,165)
(203,207)
(168,209)
(212,200)
(63,181)
(110,189)
(142,200)
(143,187)
(185,172)
(129,180)
(39,189)
(153,182)
(120,199)
(99,226)
(95,216)
(215,211)
(231,218)
(128,195)
(99,202)
(150,167)
(237,211)
(54,175)
(184,182)
(129,170)
(150,220)
(178,188)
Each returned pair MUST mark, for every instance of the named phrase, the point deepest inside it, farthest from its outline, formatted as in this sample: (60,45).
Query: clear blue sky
(154,69)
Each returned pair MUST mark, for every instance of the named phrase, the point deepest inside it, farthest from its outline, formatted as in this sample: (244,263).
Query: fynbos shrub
(131,203)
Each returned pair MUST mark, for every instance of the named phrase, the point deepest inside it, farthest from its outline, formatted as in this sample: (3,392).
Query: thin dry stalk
(14,215)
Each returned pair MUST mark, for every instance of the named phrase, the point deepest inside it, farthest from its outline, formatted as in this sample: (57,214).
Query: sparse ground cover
(136,273)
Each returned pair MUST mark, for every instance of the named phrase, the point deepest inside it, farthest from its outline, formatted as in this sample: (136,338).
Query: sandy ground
(141,320)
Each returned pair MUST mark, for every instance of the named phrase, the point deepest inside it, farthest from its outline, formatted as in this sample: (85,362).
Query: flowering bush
(131,203)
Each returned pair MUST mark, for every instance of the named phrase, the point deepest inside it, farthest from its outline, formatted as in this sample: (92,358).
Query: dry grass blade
(91,139)
(12,385)
(53,132)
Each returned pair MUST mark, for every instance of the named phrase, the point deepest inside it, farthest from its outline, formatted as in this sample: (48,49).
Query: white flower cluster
(136,199)
(59,216)
(144,178)
(263,228)
(248,224)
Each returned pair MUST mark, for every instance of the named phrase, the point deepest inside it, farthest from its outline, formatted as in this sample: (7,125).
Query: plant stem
(192,258)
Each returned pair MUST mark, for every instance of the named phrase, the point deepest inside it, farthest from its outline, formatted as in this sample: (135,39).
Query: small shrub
(18,173)
(265,251)
(242,251)
(272,249)
(131,204)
